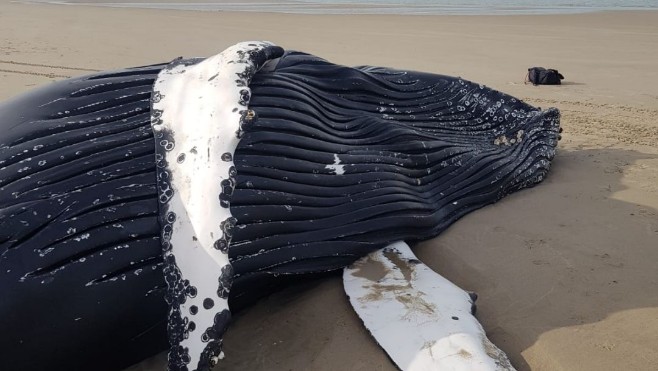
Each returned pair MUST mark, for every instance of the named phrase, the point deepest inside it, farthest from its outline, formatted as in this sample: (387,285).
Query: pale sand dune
(566,272)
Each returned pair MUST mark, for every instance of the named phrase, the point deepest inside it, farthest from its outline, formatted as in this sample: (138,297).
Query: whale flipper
(422,320)
(197,113)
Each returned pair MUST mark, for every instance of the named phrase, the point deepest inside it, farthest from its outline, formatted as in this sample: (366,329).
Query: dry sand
(566,272)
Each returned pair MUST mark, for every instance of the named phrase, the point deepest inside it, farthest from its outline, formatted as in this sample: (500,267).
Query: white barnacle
(501,140)
(519,135)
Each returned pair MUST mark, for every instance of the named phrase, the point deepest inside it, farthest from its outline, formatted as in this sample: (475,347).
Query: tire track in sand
(48,66)
(41,70)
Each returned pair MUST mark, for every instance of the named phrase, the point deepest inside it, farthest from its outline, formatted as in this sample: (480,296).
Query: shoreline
(562,270)
(345,10)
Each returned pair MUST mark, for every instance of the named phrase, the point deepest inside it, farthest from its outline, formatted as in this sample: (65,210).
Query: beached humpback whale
(208,182)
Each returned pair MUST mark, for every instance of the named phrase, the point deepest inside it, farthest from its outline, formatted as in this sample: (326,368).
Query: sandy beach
(566,272)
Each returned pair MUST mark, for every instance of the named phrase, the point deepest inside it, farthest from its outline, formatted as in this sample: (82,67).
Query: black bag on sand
(543,76)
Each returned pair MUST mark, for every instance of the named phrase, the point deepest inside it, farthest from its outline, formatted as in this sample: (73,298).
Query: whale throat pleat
(341,161)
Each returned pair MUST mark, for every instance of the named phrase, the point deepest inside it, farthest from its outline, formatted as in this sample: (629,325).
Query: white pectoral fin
(198,114)
(422,320)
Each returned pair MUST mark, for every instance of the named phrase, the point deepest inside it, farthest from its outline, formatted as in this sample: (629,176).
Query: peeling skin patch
(336,167)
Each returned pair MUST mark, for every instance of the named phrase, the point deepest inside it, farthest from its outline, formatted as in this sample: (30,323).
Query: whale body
(325,164)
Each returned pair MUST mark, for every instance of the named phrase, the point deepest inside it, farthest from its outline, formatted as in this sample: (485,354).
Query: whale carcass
(208,182)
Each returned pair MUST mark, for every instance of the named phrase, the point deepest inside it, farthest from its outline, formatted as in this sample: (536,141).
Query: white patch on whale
(336,167)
